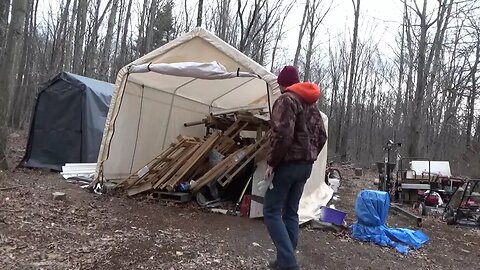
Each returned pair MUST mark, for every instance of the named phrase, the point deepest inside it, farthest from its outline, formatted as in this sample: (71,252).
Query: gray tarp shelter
(68,122)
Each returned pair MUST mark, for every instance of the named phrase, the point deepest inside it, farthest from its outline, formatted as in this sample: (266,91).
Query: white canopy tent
(179,82)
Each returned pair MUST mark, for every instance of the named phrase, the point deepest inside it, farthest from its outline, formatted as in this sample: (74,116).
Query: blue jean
(288,183)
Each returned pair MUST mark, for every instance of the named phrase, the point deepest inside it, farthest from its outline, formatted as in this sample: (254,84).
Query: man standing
(297,137)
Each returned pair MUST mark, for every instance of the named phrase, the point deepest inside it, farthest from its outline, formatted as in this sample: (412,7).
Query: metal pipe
(195,123)
(244,108)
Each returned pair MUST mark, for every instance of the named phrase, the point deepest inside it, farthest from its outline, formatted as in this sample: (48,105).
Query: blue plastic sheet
(371,209)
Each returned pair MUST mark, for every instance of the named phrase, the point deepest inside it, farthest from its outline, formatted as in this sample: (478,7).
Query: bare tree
(59,39)
(19,95)
(70,37)
(315,18)
(123,46)
(107,47)
(473,91)
(200,12)
(223,19)
(345,133)
(247,28)
(91,49)
(280,32)
(80,36)
(10,67)
(151,19)
(4,13)
(401,64)
(303,28)
(423,68)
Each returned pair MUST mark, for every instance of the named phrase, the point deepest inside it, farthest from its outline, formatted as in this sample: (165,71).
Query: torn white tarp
(205,71)
(83,170)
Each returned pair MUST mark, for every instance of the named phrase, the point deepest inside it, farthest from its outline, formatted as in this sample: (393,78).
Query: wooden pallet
(180,197)
(227,177)
(188,158)
(219,169)
(156,162)
(193,162)
(160,168)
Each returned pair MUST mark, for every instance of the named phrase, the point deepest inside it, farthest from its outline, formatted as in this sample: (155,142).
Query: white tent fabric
(206,71)
(316,192)
(148,109)
(179,82)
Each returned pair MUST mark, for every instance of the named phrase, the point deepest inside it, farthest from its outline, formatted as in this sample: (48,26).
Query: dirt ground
(91,231)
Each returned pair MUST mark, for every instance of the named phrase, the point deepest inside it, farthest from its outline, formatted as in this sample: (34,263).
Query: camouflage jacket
(297,130)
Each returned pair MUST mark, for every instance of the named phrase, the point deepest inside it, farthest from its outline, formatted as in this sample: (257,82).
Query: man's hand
(266,183)
(269,172)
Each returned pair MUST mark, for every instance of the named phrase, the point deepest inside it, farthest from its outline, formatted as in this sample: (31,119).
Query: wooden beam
(140,189)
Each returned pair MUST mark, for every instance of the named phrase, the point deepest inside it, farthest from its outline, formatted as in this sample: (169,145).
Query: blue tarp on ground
(371,209)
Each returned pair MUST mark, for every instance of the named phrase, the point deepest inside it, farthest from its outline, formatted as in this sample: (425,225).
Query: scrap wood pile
(219,157)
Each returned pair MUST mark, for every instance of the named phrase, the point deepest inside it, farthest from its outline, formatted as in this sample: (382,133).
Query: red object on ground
(431,200)
(245,207)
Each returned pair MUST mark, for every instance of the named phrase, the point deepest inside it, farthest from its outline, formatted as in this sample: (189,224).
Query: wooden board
(230,177)
(140,189)
(177,163)
(165,160)
(131,180)
(197,158)
(217,170)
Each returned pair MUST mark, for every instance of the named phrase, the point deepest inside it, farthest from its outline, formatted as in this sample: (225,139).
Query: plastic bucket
(331,215)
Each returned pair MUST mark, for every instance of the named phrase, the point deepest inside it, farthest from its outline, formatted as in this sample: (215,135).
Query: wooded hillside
(421,92)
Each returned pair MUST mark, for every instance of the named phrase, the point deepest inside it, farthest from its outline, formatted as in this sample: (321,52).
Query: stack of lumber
(187,159)
(225,171)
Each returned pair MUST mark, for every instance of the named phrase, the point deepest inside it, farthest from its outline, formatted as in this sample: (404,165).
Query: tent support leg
(170,111)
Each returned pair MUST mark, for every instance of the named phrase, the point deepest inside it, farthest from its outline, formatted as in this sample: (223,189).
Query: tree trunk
(340,124)
(123,48)
(472,97)
(348,116)
(70,36)
(200,12)
(57,47)
(21,87)
(303,27)
(33,76)
(118,58)
(416,119)
(9,67)
(223,20)
(396,118)
(89,55)
(141,30)
(477,133)
(279,35)
(80,36)
(90,64)
(247,32)
(4,12)
(23,110)
(151,19)
(314,19)
(107,47)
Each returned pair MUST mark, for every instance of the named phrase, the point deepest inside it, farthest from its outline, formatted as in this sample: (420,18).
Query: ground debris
(109,232)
